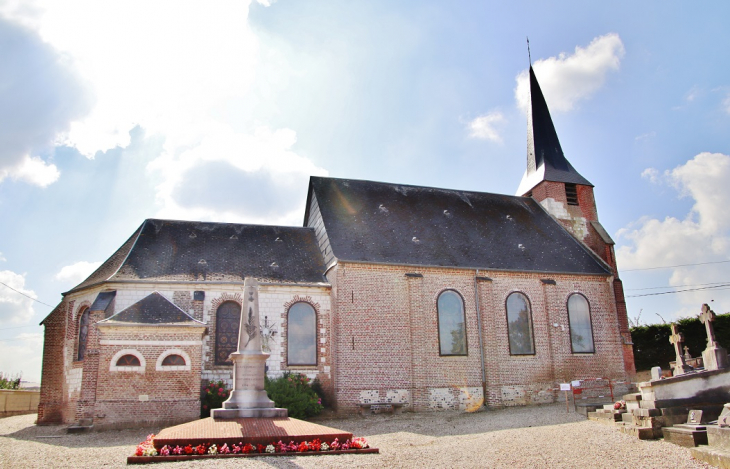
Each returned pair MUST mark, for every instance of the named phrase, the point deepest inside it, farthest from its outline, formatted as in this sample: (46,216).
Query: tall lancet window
(227,322)
(83,334)
(452,325)
(581,328)
(301,330)
(519,325)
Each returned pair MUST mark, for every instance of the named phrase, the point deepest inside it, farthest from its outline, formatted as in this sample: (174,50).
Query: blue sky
(113,112)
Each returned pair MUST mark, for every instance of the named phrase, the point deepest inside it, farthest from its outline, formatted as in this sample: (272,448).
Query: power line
(678,286)
(18,291)
(672,266)
(716,287)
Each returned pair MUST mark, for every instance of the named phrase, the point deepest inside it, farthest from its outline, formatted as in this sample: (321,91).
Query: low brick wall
(18,401)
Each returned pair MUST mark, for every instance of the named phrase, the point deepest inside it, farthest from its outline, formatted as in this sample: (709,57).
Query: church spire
(545,158)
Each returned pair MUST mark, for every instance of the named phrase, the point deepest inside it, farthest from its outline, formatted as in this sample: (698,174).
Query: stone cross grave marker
(687,355)
(677,339)
(707,317)
(714,356)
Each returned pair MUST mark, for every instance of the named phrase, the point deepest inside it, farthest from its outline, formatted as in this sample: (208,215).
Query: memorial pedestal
(248,398)
(715,358)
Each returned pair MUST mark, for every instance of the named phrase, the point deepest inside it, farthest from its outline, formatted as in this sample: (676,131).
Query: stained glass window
(519,325)
(173,360)
(227,322)
(581,329)
(83,334)
(301,332)
(128,360)
(452,326)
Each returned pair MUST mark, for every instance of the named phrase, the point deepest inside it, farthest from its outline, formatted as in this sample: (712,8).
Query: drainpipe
(481,340)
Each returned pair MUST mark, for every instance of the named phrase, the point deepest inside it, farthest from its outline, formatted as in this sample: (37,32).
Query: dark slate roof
(398,224)
(152,309)
(102,302)
(199,251)
(543,146)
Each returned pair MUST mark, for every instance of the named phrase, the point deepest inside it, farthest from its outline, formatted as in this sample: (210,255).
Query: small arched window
(301,330)
(581,328)
(83,334)
(128,360)
(227,322)
(519,325)
(173,360)
(452,325)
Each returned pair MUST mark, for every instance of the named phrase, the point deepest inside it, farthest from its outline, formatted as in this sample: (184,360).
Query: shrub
(317,387)
(6,382)
(213,396)
(294,393)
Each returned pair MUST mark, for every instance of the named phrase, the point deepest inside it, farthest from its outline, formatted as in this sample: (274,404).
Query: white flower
(270,449)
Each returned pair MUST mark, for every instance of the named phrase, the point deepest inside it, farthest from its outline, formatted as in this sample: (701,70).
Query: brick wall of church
(387,337)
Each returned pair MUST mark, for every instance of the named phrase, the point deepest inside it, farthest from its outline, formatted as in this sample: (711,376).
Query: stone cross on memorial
(714,356)
(676,339)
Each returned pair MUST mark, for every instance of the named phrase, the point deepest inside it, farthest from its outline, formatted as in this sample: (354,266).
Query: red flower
(188,449)
(248,448)
(200,449)
(303,446)
(260,448)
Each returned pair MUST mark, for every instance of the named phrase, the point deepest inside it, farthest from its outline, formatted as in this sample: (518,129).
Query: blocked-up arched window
(83,334)
(227,322)
(519,325)
(301,330)
(128,360)
(581,328)
(452,325)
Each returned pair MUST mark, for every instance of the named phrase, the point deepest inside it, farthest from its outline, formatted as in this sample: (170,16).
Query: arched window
(519,325)
(83,334)
(301,330)
(227,322)
(173,360)
(128,360)
(581,329)
(452,326)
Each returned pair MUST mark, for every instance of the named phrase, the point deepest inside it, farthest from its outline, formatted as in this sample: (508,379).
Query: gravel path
(525,437)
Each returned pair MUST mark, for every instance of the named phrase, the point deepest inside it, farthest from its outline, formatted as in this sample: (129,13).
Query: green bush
(213,396)
(6,382)
(317,386)
(294,393)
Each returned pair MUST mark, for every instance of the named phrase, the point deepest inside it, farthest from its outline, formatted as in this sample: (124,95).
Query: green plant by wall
(7,382)
(212,397)
(652,347)
(294,393)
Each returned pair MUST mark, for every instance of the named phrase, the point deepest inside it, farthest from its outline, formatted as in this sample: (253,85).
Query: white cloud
(485,127)
(75,273)
(651,174)
(22,354)
(14,306)
(702,236)
(41,95)
(567,79)
(192,90)
(645,136)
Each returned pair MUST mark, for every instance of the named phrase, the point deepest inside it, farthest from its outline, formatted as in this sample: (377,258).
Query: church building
(430,298)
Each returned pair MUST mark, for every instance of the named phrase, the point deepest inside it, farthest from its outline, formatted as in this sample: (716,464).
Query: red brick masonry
(247,430)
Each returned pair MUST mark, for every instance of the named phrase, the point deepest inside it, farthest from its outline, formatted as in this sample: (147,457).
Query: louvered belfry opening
(571,193)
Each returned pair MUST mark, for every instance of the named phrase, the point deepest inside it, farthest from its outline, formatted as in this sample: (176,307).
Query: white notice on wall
(575,384)
(565,386)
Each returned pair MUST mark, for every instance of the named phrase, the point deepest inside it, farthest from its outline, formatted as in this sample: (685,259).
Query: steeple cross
(676,339)
(707,317)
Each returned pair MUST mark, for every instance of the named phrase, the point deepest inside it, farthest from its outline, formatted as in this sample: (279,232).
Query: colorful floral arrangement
(213,396)
(147,448)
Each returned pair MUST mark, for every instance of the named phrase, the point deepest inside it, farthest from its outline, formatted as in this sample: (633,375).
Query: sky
(114,112)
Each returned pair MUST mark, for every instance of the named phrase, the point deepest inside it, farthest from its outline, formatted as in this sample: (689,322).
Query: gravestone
(690,434)
(677,339)
(687,355)
(248,397)
(656,373)
(714,356)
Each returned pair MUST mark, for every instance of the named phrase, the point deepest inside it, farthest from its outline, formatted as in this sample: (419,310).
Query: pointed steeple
(545,158)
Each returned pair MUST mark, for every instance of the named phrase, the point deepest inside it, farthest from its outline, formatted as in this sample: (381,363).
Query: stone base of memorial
(246,437)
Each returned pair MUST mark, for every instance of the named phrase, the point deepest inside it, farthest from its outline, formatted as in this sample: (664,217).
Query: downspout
(481,339)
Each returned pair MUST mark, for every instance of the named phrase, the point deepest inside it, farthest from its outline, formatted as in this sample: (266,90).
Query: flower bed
(147,452)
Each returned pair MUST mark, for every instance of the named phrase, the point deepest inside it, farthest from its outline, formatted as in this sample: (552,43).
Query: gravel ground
(525,437)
